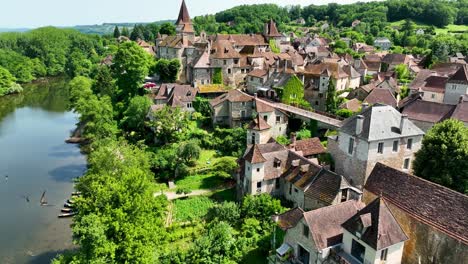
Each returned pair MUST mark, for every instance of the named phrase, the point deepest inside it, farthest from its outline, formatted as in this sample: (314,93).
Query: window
(406,164)
(454,86)
(265,118)
(358,251)
(395,145)
(351,146)
(278,119)
(344,195)
(277,163)
(259,185)
(295,190)
(305,230)
(277,183)
(258,169)
(433,96)
(243,103)
(409,144)
(208,70)
(320,95)
(229,71)
(316,102)
(236,61)
(383,254)
(243,114)
(189,105)
(253,138)
(380,148)
(225,62)
(290,189)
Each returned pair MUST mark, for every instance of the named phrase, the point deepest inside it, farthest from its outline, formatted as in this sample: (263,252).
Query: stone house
(256,79)
(175,95)
(362,92)
(283,172)
(378,134)
(349,232)
(383,43)
(381,96)
(232,109)
(391,60)
(457,86)
(434,217)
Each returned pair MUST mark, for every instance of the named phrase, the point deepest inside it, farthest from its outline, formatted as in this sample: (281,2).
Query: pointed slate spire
(184,23)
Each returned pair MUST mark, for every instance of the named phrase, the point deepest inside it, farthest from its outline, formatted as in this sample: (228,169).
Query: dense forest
(250,18)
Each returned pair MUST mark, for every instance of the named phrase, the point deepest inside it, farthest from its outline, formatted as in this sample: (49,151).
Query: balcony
(341,257)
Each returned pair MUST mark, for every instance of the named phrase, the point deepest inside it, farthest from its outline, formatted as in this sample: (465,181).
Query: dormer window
(277,163)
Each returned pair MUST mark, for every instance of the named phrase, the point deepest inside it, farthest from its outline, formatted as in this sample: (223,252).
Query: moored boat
(66,215)
(66,210)
(68,205)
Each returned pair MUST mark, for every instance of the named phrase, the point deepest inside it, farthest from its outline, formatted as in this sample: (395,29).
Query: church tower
(184,25)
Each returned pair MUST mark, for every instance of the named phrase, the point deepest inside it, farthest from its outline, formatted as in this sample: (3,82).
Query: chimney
(293,140)
(364,106)
(403,121)
(359,124)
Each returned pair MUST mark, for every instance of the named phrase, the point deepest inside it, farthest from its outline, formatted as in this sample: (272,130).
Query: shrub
(228,212)
(283,140)
(218,76)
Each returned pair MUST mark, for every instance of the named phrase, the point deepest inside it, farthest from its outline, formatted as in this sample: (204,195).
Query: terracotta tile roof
(428,111)
(325,223)
(272,29)
(243,39)
(368,87)
(259,73)
(326,186)
(377,225)
(254,155)
(176,95)
(461,76)
(261,107)
(318,69)
(373,58)
(427,202)
(172,42)
(461,110)
(259,124)
(232,96)
(395,59)
(203,61)
(290,218)
(352,105)
(223,49)
(373,65)
(446,69)
(381,96)
(184,20)
(434,84)
(308,147)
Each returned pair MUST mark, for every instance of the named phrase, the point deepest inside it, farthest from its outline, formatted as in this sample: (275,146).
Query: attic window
(226,50)
(277,163)
(189,93)
(236,61)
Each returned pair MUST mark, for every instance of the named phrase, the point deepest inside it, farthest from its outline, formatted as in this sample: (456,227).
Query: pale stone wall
(453,92)
(295,237)
(372,256)
(201,76)
(261,137)
(426,245)
(433,97)
(341,84)
(296,195)
(354,83)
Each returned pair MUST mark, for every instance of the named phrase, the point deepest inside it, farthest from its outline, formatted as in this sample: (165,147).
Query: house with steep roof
(434,217)
(175,95)
(381,96)
(349,232)
(378,134)
(457,86)
(383,43)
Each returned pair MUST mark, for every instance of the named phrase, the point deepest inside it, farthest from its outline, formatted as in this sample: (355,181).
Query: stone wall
(295,237)
(426,245)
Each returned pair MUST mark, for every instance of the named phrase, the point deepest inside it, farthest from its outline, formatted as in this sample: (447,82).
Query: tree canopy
(443,156)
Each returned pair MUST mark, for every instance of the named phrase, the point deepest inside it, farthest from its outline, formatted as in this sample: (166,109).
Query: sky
(37,13)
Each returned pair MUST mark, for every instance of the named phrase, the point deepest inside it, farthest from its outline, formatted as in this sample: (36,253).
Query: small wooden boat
(68,205)
(66,215)
(75,193)
(43,199)
(70,201)
(67,210)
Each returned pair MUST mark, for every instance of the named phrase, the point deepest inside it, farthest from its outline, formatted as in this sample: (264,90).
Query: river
(33,127)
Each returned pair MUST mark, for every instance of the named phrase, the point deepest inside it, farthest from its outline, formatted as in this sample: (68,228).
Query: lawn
(193,208)
(200,181)
(452,29)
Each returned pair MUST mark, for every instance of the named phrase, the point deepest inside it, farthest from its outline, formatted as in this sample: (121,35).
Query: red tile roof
(311,146)
(427,202)
(381,96)
(259,124)
(254,155)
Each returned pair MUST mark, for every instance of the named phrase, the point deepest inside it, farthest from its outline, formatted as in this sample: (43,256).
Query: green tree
(168,29)
(130,68)
(170,124)
(116,32)
(218,76)
(134,120)
(216,245)
(293,91)
(104,84)
(332,99)
(345,113)
(125,32)
(443,156)
(119,220)
(78,64)
(80,88)
(403,73)
(228,212)
(97,116)
(225,167)
(7,83)
(260,207)
(168,70)
(303,134)
(189,151)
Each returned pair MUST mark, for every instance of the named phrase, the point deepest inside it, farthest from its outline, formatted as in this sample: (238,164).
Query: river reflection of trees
(50,94)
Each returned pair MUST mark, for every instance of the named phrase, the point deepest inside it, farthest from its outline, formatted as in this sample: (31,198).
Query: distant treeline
(250,18)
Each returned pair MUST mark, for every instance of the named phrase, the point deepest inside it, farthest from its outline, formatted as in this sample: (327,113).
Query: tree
(7,83)
(167,29)
(119,220)
(104,84)
(345,113)
(168,70)
(293,91)
(331,103)
(225,167)
(130,68)
(261,207)
(116,32)
(218,76)
(403,73)
(97,116)
(169,124)
(189,151)
(134,120)
(78,64)
(443,156)
(303,134)
(125,32)
(228,212)
(80,88)
(137,33)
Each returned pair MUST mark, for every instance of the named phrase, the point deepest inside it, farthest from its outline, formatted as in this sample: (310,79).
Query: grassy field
(448,29)
(193,208)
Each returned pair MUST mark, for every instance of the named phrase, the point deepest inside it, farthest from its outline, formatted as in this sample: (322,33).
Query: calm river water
(33,127)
